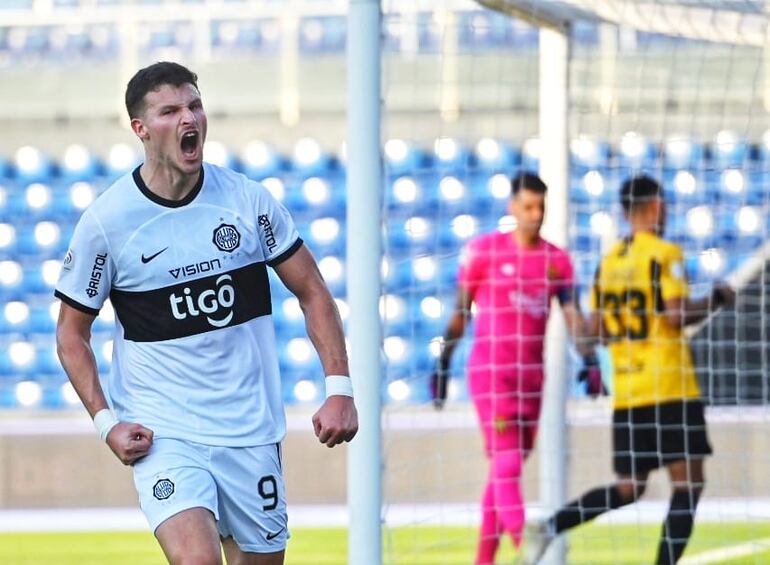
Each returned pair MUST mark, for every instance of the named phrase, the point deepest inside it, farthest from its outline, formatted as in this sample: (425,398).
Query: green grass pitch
(590,545)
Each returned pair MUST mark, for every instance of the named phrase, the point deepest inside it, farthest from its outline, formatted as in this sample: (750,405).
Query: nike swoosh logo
(271,536)
(151,257)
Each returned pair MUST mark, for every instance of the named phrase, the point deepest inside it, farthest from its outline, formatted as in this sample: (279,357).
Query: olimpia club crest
(227,238)
(163,489)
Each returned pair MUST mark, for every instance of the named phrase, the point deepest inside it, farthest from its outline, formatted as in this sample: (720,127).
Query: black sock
(678,526)
(587,507)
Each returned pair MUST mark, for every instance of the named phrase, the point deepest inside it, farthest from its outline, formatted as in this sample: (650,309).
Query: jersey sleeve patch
(88,268)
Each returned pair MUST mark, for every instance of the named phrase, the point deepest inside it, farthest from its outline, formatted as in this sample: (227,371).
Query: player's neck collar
(165,201)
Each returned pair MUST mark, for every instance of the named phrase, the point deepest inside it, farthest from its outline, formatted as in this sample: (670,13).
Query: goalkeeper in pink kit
(512,279)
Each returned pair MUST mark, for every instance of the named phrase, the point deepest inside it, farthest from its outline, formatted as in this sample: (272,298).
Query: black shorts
(649,437)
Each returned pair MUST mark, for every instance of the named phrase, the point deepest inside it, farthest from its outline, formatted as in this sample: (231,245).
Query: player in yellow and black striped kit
(640,307)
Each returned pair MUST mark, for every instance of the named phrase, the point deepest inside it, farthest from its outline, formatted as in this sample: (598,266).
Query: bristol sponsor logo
(267,229)
(195,269)
(96,275)
(214,304)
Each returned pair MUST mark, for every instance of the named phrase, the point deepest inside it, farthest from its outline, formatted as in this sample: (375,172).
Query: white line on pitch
(718,555)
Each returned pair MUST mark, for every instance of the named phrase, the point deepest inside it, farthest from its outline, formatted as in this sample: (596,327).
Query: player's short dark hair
(528,181)
(153,77)
(639,189)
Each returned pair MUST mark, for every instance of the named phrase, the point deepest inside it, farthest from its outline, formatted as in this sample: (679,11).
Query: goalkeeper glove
(439,380)
(591,374)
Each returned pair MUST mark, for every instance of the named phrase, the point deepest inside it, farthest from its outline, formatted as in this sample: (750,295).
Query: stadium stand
(438,197)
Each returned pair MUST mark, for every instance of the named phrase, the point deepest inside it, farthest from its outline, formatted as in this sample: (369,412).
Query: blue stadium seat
(455,196)
(19,358)
(496,156)
(687,187)
(260,161)
(452,156)
(278,290)
(530,154)
(411,236)
(31,166)
(588,154)
(8,240)
(69,202)
(298,355)
(394,312)
(40,277)
(323,35)
(6,169)
(217,153)
(709,264)
(404,158)
(79,164)
(729,150)
(333,269)
(317,197)
(431,311)
(682,152)
(40,318)
(448,266)
(456,232)
(489,193)
(424,271)
(595,186)
(399,350)
(288,318)
(310,159)
(122,159)
(397,273)
(46,239)
(6,195)
(11,280)
(636,153)
(413,195)
(324,236)
(15,317)
(742,227)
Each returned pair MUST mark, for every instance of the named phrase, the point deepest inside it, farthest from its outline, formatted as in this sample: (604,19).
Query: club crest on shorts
(227,238)
(163,489)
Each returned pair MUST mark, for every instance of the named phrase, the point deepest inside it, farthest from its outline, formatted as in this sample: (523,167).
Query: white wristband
(104,421)
(338,385)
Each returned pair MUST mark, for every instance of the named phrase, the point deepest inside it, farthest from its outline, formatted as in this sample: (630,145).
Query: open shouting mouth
(190,144)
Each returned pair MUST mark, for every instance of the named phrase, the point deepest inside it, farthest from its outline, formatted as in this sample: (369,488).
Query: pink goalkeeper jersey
(512,288)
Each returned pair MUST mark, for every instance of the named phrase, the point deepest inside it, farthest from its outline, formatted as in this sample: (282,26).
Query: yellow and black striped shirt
(652,362)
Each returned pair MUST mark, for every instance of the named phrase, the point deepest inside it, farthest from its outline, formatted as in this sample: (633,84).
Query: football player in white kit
(193,398)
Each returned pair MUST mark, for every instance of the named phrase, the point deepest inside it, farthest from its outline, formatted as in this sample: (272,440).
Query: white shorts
(242,486)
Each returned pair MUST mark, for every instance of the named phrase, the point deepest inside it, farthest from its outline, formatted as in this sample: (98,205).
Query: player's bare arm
(681,312)
(128,441)
(337,419)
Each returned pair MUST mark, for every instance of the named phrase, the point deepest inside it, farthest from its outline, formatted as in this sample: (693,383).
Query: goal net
(678,90)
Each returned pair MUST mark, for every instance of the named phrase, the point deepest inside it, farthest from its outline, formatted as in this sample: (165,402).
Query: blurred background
(460,117)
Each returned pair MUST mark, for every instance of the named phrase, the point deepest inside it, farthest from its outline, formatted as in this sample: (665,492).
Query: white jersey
(194,354)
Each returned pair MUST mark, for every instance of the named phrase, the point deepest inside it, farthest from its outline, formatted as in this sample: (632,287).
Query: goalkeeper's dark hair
(640,189)
(153,77)
(527,181)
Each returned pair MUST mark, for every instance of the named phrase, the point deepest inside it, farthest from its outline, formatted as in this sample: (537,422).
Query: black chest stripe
(195,306)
